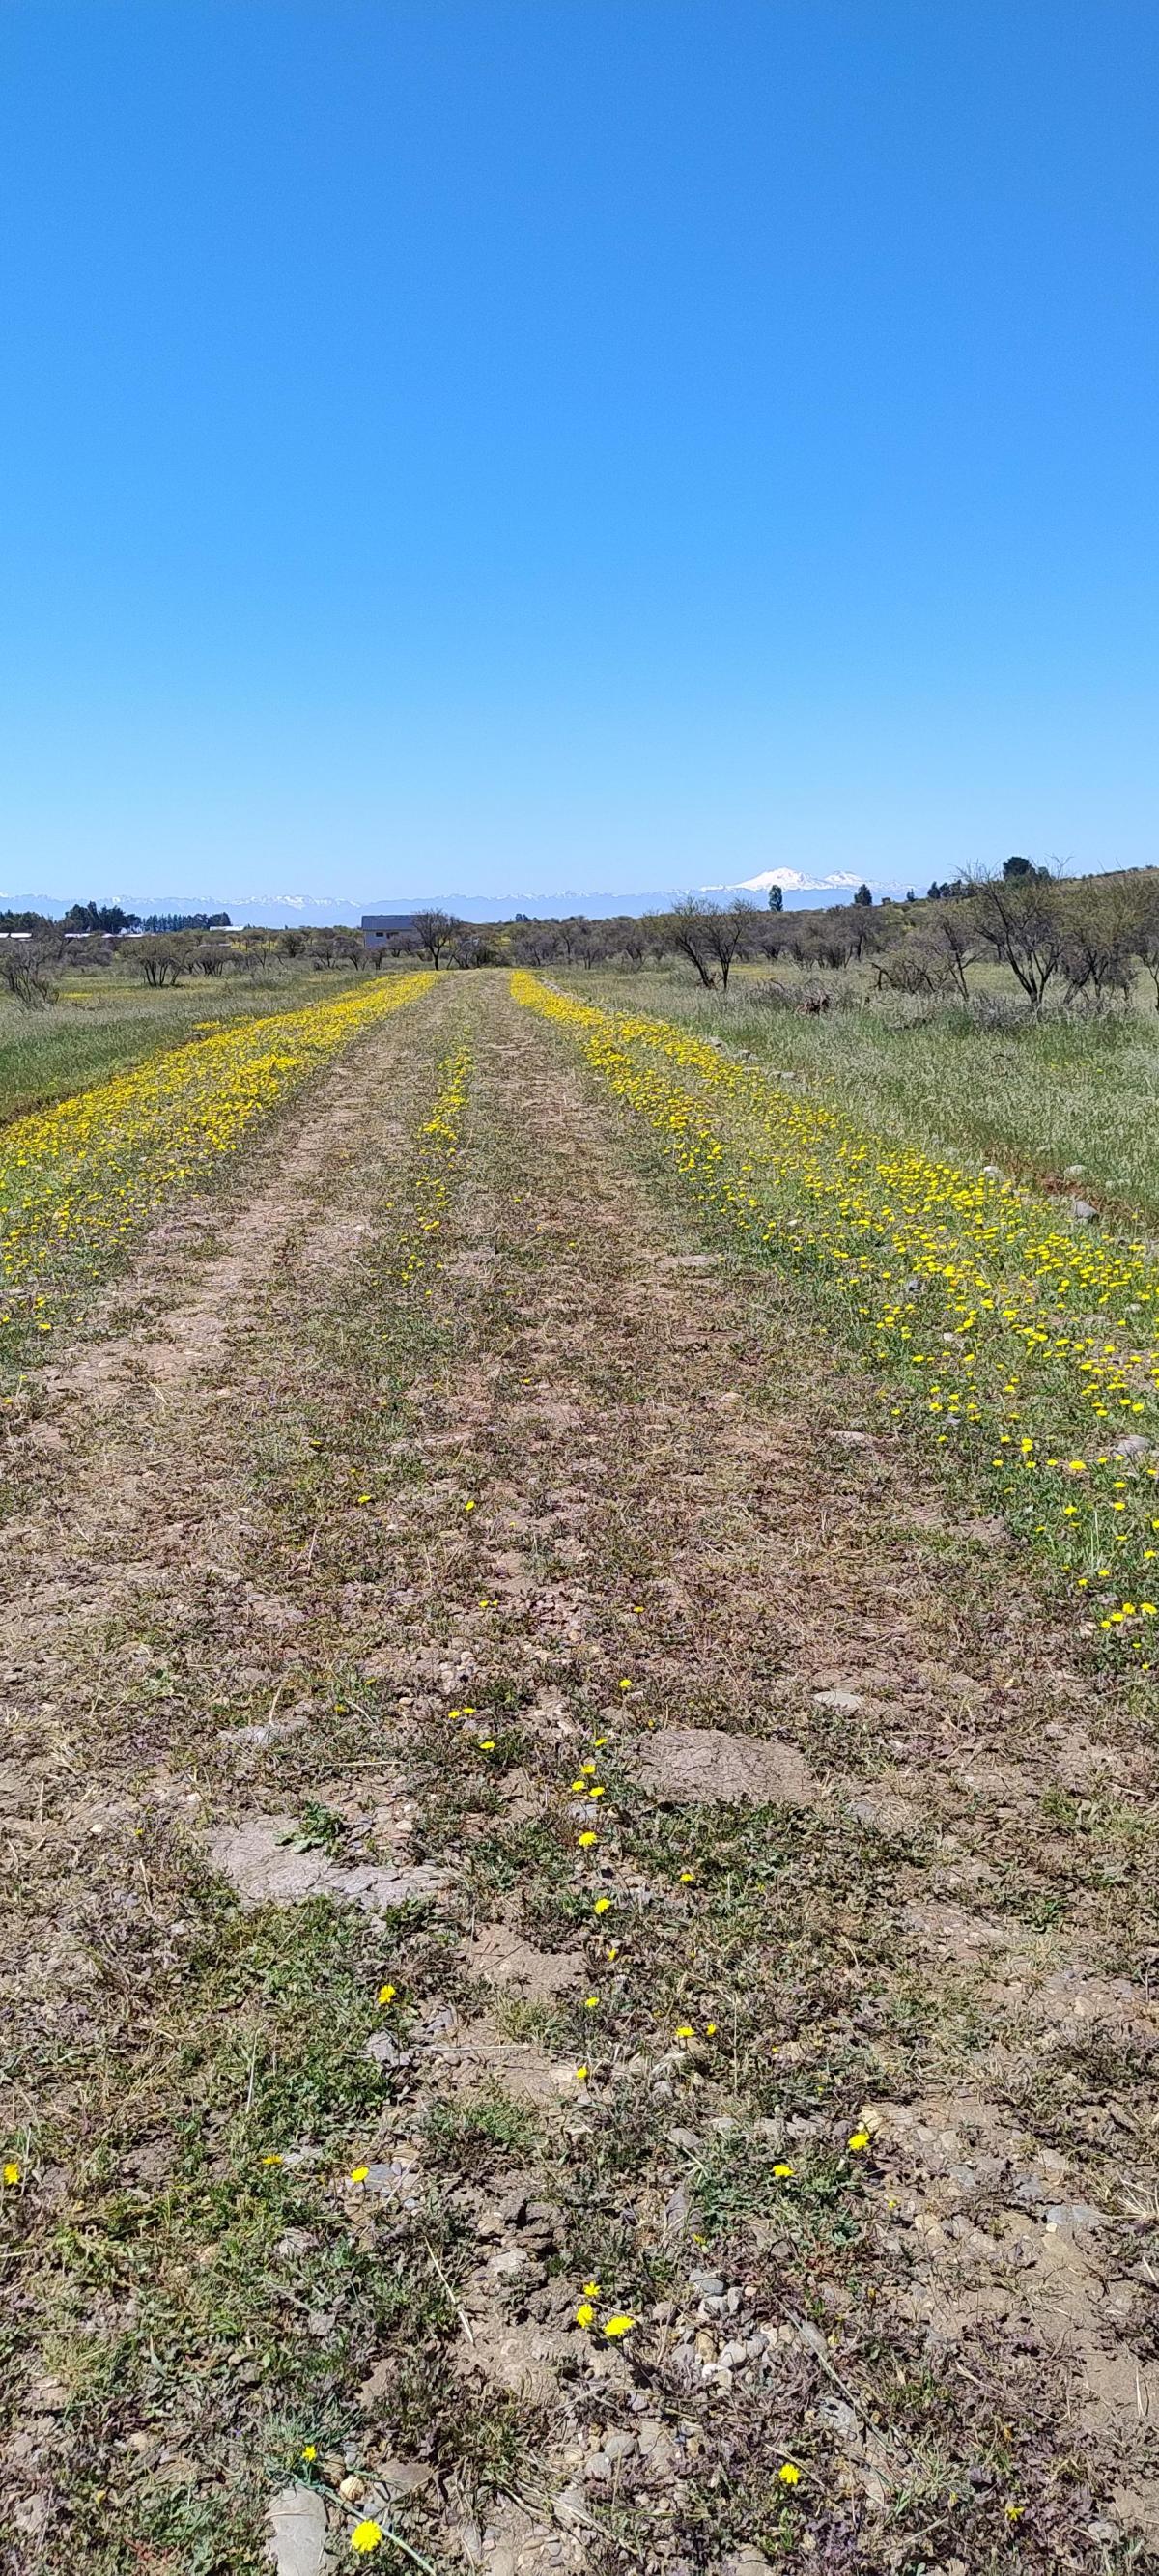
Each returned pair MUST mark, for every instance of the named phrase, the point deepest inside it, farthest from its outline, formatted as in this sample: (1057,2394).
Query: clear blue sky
(575,443)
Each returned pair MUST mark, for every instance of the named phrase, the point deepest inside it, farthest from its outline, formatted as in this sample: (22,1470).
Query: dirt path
(826,2054)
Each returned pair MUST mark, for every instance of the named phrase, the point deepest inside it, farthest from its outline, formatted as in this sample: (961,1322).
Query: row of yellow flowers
(81,1178)
(1005,1327)
(438,1145)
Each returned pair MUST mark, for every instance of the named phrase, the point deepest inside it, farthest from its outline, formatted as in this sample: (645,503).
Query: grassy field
(579,1989)
(1039,1097)
(103,1024)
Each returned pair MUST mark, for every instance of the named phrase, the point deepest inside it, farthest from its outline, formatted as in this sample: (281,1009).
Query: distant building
(386,929)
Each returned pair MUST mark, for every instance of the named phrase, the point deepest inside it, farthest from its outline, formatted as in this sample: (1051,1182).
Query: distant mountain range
(284,912)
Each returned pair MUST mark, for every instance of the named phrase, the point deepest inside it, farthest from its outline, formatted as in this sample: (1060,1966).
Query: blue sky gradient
(610,444)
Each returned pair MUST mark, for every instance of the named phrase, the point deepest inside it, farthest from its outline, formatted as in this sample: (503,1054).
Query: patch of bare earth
(711,1799)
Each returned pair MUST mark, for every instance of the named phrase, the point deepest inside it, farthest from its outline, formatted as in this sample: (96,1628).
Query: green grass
(100,1027)
(1036,1096)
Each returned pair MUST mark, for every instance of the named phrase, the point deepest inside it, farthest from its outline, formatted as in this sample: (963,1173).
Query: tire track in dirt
(133,1556)
(661,1439)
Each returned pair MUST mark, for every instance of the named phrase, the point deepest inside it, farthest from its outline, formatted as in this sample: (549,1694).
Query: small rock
(597,2467)
(837,2417)
(747,2561)
(619,2446)
(1134,1446)
(991,1171)
(50,2397)
(352,2489)
(297,2520)
(405,2477)
(1083,1213)
(250,1739)
(382,2050)
(840,1703)
(570,2507)
(1106,2532)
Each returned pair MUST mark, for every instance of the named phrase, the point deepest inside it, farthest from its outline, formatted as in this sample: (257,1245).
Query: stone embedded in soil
(297,2520)
(505,1960)
(840,1703)
(268,1730)
(263,1868)
(688,1766)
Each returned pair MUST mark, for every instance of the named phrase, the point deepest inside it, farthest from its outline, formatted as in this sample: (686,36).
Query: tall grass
(99,1028)
(1035,1096)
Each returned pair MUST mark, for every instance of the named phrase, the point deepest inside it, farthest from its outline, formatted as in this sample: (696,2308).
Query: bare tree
(158,962)
(27,967)
(689,933)
(436,931)
(1099,942)
(1145,937)
(730,930)
(1020,919)
(952,935)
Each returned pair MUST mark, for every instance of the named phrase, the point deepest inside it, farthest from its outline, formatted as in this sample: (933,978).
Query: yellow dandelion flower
(789,2475)
(365,2537)
(386,1994)
(617,2326)
(859,2139)
(585,2313)
(587,1838)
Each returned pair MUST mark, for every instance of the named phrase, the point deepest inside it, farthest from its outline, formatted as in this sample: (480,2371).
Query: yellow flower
(617,2326)
(788,2475)
(601,1904)
(359,2173)
(468,1507)
(859,2139)
(783,2173)
(591,2290)
(584,2313)
(271,2160)
(685,2030)
(365,2537)
(590,2002)
(625,1685)
(581,2075)
(588,1769)
(586,1839)
(686,1877)
(486,1744)
(309,2451)
(710,2027)
(386,1994)
(11,2173)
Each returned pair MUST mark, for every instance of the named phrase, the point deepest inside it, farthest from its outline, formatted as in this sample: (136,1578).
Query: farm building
(388,929)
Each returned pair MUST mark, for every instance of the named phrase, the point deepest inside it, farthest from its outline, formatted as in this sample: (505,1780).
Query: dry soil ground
(529,1815)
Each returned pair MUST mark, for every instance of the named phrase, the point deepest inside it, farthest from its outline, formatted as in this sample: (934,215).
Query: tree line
(1077,940)
(1082,939)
